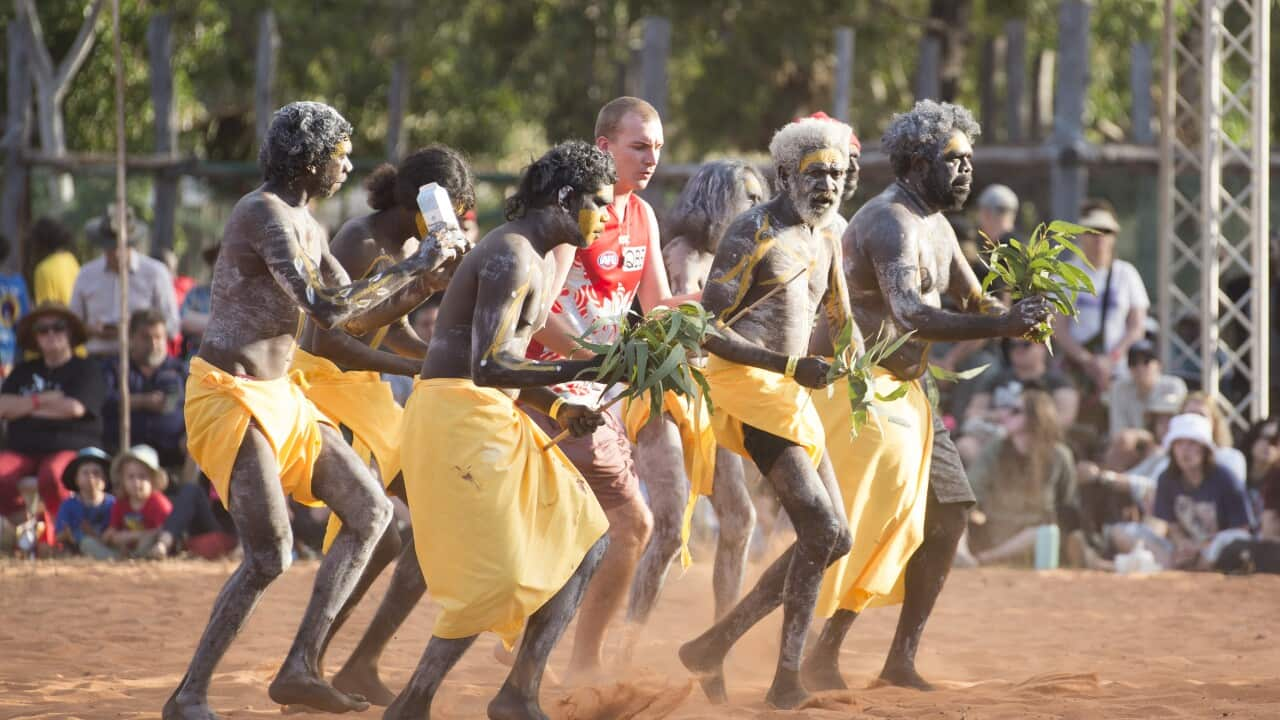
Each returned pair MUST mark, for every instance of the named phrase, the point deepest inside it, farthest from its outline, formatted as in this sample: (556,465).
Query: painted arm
(893,248)
(575,417)
(359,306)
(498,343)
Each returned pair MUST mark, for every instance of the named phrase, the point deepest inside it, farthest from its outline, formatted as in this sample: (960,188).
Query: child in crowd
(141,509)
(85,516)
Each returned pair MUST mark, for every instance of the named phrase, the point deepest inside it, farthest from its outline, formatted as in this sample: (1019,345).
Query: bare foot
(708,667)
(822,673)
(906,677)
(786,691)
(179,709)
(361,680)
(314,692)
(509,705)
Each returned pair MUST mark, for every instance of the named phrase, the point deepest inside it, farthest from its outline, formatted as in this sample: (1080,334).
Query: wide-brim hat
(1167,402)
(1189,426)
(87,455)
(27,325)
(1100,220)
(144,454)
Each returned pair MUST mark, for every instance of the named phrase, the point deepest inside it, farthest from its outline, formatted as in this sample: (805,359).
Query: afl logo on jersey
(607,260)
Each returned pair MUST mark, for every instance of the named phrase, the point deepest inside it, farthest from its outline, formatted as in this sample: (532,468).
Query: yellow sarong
(500,525)
(765,400)
(698,440)
(884,479)
(218,411)
(361,401)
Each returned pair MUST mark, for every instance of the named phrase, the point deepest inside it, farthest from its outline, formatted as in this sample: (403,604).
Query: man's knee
(630,524)
(268,563)
(843,542)
(736,525)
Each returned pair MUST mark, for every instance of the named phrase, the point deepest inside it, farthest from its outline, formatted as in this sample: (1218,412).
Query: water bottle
(1047,547)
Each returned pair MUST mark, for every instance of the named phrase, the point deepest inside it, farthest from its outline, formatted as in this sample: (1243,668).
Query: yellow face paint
(958,144)
(343,149)
(830,156)
(590,223)
(421,222)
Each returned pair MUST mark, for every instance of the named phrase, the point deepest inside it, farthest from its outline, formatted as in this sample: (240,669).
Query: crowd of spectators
(1098,441)
(1101,443)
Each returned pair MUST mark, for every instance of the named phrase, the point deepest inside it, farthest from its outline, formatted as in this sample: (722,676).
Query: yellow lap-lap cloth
(884,479)
(698,440)
(361,401)
(768,401)
(500,524)
(218,411)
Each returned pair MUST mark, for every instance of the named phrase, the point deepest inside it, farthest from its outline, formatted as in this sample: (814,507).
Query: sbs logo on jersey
(607,260)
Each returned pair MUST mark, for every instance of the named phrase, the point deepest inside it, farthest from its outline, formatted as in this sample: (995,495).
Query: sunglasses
(53,327)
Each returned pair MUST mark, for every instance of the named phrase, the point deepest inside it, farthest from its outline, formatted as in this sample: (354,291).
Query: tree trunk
(17,136)
(264,82)
(51,84)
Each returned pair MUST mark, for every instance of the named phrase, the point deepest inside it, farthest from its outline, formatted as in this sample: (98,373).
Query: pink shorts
(603,458)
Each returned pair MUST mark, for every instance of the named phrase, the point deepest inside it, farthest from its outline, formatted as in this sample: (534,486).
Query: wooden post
(1068,177)
(1042,94)
(1140,74)
(840,96)
(1015,73)
(264,79)
(122,227)
(160,55)
(928,77)
(17,135)
(991,67)
(653,64)
(395,110)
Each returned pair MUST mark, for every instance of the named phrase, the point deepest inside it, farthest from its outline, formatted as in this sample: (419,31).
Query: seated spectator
(1129,397)
(137,519)
(1026,364)
(1025,480)
(96,297)
(53,277)
(198,524)
(13,305)
(53,405)
(1095,343)
(194,315)
(1262,443)
(86,515)
(157,388)
(1199,503)
(1226,455)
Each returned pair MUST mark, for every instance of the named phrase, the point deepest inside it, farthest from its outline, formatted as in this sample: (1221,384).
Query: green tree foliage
(502,78)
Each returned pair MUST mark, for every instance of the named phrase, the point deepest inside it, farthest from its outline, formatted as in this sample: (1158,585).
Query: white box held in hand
(437,208)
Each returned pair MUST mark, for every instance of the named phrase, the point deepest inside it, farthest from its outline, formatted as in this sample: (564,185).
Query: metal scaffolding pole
(1213,199)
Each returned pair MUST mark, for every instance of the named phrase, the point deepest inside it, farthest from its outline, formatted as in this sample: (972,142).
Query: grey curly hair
(924,129)
(708,202)
(301,135)
(793,140)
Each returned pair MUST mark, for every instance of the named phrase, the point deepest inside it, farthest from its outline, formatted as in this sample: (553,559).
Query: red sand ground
(110,641)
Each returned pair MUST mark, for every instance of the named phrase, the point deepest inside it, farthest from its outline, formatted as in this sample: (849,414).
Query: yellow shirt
(55,277)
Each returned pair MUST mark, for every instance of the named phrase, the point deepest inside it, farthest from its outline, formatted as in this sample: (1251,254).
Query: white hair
(796,139)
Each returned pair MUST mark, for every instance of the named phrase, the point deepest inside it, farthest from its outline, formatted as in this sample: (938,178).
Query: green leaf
(897,394)
(951,376)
